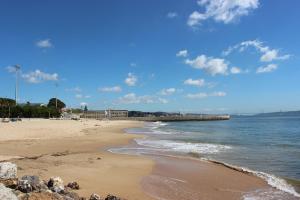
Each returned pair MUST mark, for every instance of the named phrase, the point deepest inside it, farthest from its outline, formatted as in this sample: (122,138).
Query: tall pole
(17,68)
(56,85)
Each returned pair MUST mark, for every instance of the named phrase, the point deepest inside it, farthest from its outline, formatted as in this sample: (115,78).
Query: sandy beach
(77,151)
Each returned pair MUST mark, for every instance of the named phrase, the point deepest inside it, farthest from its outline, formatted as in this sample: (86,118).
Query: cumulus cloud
(110,89)
(167,91)
(132,98)
(44,43)
(182,53)
(38,76)
(225,11)
(172,15)
(194,82)
(266,69)
(131,79)
(267,54)
(210,65)
(203,95)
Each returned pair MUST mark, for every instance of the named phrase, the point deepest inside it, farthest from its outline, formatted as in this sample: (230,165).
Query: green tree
(85,108)
(52,103)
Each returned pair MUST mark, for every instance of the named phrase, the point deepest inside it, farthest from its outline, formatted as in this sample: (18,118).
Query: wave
(183,147)
(272,180)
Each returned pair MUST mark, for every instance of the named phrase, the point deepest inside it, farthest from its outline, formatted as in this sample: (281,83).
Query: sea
(267,146)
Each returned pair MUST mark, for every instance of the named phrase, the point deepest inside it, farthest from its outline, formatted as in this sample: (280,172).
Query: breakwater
(177,118)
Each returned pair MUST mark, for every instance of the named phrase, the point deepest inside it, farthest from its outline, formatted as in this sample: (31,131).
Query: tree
(4,102)
(52,103)
(85,108)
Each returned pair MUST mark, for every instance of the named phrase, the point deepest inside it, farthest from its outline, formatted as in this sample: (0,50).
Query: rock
(56,184)
(6,193)
(112,197)
(30,183)
(8,170)
(10,183)
(72,196)
(95,197)
(24,186)
(42,196)
(73,185)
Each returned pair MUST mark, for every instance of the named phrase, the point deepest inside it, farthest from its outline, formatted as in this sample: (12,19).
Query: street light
(17,69)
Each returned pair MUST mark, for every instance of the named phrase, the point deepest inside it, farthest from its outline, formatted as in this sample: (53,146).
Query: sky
(202,56)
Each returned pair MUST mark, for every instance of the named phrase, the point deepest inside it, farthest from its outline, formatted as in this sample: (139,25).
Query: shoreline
(83,156)
(261,183)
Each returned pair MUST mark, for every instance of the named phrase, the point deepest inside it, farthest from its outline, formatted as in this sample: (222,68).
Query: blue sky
(211,56)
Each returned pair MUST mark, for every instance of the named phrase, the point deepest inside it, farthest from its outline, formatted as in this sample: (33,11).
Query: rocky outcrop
(8,170)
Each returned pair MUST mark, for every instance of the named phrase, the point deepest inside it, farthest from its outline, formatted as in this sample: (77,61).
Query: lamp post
(56,86)
(17,69)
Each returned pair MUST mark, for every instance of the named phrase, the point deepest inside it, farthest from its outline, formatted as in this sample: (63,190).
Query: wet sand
(186,179)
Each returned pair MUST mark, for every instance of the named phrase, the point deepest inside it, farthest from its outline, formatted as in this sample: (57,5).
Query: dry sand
(76,151)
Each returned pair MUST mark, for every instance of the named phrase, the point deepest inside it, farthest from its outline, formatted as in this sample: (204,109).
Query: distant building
(116,113)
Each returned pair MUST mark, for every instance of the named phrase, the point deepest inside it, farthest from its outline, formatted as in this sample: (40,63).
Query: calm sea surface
(269,145)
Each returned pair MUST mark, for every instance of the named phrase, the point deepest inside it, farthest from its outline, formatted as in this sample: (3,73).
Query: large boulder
(6,193)
(8,170)
(56,184)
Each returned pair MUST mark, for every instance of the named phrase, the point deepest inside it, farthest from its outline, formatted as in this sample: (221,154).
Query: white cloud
(182,53)
(225,11)
(110,89)
(38,76)
(80,96)
(163,101)
(44,43)
(168,91)
(194,82)
(133,64)
(210,65)
(266,69)
(131,79)
(195,19)
(203,95)
(267,54)
(132,98)
(172,15)
(235,70)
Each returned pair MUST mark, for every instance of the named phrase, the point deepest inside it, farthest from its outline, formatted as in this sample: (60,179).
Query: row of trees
(8,108)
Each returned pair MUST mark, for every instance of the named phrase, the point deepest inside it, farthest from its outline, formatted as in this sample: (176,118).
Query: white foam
(268,194)
(272,180)
(183,147)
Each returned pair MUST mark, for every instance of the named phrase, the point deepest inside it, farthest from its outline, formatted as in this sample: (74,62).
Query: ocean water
(267,146)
